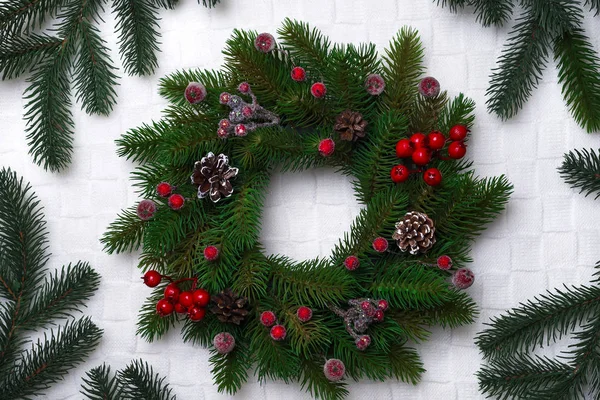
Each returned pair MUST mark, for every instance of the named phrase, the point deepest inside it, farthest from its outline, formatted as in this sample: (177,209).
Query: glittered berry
(374,84)
(186,299)
(222,133)
(399,173)
(176,201)
(429,87)
(201,297)
(224,123)
(211,253)
(380,245)
(436,140)
(432,177)
(334,369)
(298,74)
(326,147)
(463,278)
(164,307)
(244,87)
(382,305)
(172,292)
(164,189)
(268,318)
(265,42)
(247,111)
(224,342)
(318,90)
(224,98)
(304,314)
(362,342)
(404,148)
(278,332)
(366,305)
(458,132)
(180,308)
(152,278)
(196,313)
(418,140)
(457,150)
(240,130)
(146,209)
(421,156)
(378,316)
(444,262)
(195,92)
(351,263)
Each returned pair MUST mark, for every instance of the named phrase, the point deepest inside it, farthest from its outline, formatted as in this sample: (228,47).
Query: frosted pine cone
(415,233)
(212,175)
(350,125)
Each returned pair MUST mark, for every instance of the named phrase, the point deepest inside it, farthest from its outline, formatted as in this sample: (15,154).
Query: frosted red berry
(145,209)
(268,318)
(421,156)
(224,123)
(241,130)
(334,369)
(457,150)
(224,98)
(298,74)
(362,342)
(304,314)
(318,90)
(195,92)
(366,305)
(176,201)
(278,332)
(196,313)
(224,343)
(458,132)
(375,84)
(378,317)
(326,147)
(152,278)
(164,307)
(380,245)
(264,42)
(463,278)
(244,87)
(211,253)
(186,299)
(399,173)
(201,297)
(247,111)
(382,305)
(351,263)
(172,292)
(418,140)
(436,140)
(432,176)
(404,148)
(222,133)
(429,87)
(164,189)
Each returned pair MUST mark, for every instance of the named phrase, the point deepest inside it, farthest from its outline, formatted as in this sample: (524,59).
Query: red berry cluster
(192,302)
(421,149)
(175,200)
(268,319)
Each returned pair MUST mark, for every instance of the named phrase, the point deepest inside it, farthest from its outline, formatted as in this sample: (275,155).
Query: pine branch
(594,6)
(493,12)
(581,170)
(124,234)
(150,325)
(230,371)
(315,382)
(22,16)
(138,381)
(100,384)
(18,54)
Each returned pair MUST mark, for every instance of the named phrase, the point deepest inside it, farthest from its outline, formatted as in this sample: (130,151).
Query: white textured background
(547,237)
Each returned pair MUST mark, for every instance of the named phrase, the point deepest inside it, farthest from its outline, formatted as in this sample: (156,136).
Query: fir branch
(594,6)
(493,12)
(25,15)
(138,381)
(124,234)
(18,54)
(315,382)
(307,47)
(581,170)
(100,384)
(230,371)
(150,325)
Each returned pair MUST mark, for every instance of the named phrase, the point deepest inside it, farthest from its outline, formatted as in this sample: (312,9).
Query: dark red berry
(432,177)
(382,305)
(152,278)
(421,156)
(378,317)
(404,148)
(244,87)
(201,297)
(458,132)
(164,307)
(418,140)
(436,140)
(457,150)
(180,308)
(172,292)
(186,299)
(399,173)
(196,313)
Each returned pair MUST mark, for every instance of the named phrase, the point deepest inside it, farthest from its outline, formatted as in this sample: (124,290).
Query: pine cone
(229,307)
(415,232)
(212,175)
(350,125)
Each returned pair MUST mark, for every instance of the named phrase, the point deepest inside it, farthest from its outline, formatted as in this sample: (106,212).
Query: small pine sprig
(581,170)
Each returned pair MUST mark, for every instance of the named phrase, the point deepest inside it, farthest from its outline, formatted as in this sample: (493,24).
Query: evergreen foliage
(172,242)
(32,300)
(73,59)
(581,170)
(543,27)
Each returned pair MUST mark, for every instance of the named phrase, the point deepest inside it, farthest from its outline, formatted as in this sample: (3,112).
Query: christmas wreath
(294,104)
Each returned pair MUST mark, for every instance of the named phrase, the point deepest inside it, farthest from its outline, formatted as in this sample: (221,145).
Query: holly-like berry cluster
(147,208)
(278,332)
(191,302)
(421,149)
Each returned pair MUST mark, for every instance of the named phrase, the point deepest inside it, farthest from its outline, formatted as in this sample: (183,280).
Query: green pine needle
(581,170)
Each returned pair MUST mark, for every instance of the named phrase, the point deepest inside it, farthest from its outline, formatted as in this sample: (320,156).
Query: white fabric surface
(547,237)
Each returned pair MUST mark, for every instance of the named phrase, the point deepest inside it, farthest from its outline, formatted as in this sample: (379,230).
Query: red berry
(264,42)
(366,305)
(186,299)
(222,133)
(211,253)
(268,318)
(326,147)
(362,342)
(418,140)
(457,150)
(432,177)
(429,87)
(351,263)
(458,132)
(436,140)
(382,305)
(380,245)
(247,111)
(334,369)
(304,314)
(224,342)
(244,87)
(146,209)
(164,307)
(421,156)
(224,98)
(152,278)
(164,189)
(318,90)
(195,92)
(444,262)
(463,278)
(298,74)
(404,149)
(399,173)
(172,292)
(224,123)
(374,84)
(201,297)
(180,308)
(176,201)
(196,313)
(241,130)
(378,317)
(278,332)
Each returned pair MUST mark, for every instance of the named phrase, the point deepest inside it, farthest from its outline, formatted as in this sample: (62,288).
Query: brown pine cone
(415,233)
(350,125)
(212,175)
(229,307)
